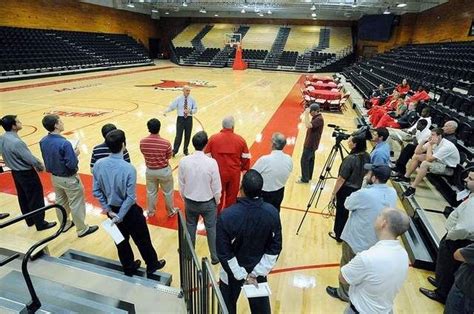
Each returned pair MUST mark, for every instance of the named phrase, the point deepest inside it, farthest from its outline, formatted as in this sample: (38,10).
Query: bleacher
(446,69)
(267,47)
(35,52)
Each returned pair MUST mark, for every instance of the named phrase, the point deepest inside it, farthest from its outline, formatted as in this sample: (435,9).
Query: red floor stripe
(304,267)
(34,85)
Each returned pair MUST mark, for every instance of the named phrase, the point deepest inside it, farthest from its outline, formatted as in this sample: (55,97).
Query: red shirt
(418,96)
(230,151)
(403,89)
(156,150)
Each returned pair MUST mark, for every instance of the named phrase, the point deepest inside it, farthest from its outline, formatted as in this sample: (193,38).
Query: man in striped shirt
(101,151)
(157,152)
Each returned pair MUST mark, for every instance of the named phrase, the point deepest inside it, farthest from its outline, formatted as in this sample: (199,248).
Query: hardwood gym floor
(261,102)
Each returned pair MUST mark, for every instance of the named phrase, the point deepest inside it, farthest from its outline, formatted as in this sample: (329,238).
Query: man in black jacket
(248,243)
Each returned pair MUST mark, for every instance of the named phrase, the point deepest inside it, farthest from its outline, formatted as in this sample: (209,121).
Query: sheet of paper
(251,291)
(74,143)
(113,231)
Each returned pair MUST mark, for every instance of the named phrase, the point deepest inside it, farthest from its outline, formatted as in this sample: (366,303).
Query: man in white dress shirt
(200,187)
(186,107)
(376,275)
(275,169)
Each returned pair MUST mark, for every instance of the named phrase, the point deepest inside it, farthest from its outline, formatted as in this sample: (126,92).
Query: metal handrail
(35,303)
(210,282)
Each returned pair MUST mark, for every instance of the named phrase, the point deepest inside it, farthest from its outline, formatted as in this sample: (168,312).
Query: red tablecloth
(329,85)
(325,94)
(315,78)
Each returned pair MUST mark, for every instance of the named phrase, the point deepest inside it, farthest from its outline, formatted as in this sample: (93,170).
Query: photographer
(351,174)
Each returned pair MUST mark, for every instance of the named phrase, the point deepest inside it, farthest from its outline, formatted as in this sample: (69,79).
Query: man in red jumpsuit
(232,155)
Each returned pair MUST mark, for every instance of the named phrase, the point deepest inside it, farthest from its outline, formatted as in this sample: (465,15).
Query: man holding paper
(248,244)
(114,186)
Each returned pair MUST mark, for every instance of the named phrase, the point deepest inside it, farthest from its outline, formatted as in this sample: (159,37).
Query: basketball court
(261,102)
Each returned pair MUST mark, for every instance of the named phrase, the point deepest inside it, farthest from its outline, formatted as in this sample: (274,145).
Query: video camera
(340,133)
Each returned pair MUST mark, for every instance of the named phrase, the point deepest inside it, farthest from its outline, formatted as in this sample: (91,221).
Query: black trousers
(307,164)
(446,265)
(342,214)
(134,225)
(230,293)
(274,197)
(30,194)
(407,152)
(183,125)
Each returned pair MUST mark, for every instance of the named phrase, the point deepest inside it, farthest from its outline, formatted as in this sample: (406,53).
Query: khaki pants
(70,194)
(346,257)
(156,178)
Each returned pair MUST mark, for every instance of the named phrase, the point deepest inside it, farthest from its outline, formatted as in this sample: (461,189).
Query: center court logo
(178,85)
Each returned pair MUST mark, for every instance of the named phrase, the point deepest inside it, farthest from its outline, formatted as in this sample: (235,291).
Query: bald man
(186,107)
(376,275)
(232,155)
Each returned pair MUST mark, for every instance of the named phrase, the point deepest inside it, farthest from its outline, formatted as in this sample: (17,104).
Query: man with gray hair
(232,155)
(314,130)
(275,169)
(449,129)
(186,107)
(376,275)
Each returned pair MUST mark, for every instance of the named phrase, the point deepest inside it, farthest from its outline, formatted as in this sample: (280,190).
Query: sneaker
(402,178)
(409,192)
(91,230)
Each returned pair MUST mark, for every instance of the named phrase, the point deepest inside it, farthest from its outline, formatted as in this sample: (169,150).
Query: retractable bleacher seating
(447,70)
(34,52)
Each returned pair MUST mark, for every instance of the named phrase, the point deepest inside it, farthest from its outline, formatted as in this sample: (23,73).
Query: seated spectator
(438,156)
(422,135)
(393,103)
(401,136)
(376,275)
(380,155)
(449,129)
(403,88)
(460,233)
(378,97)
(405,120)
(420,95)
(461,296)
(102,150)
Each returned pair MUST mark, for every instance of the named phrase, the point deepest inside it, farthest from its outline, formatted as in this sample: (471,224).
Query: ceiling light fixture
(185,4)
(243,11)
(354,5)
(203,10)
(387,11)
(269,12)
(154,10)
(130,4)
(260,14)
(216,15)
(313,14)
(313,7)
(167,13)
(401,5)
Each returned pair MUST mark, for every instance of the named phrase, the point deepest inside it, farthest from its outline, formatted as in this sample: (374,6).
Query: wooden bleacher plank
(215,37)
(302,38)
(184,38)
(260,36)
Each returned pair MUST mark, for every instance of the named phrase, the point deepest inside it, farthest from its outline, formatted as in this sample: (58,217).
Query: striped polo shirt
(101,151)
(156,150)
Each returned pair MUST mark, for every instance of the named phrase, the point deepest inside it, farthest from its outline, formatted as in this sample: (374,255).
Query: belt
(353,308)
(57,175)
(159,168)
(199,202)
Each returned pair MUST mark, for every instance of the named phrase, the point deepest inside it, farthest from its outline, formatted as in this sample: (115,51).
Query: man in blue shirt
(364,206)
(60,159)
(380,155)
(186,107)
(115,182)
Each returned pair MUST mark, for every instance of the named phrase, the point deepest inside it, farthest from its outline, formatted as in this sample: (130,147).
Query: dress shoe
(68,226)
(186,152)
(91,230)
(133,270)
(333,235)
(161,263)
(3,216)
(432,280)
(332,291)
(432,295)
(46,225)
(215,262)
(173,154)
(299,181)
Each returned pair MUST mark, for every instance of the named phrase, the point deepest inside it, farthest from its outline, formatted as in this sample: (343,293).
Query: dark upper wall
(448,22)
(76,16)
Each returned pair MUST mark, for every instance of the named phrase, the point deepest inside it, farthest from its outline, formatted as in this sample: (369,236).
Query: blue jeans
(457,303)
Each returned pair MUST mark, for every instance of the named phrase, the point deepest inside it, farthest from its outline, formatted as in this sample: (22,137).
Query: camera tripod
(325,174)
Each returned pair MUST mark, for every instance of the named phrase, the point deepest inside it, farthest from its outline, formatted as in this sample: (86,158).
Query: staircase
(197,40)
(273,57)
(303,61)
(324,36)
(78,282)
